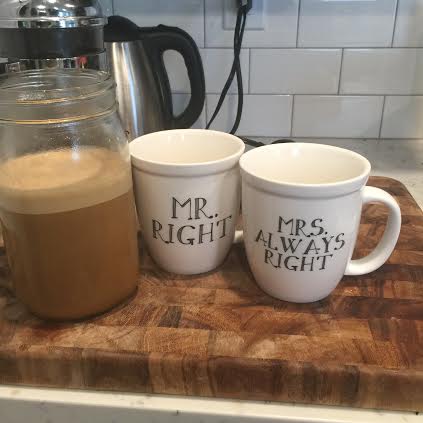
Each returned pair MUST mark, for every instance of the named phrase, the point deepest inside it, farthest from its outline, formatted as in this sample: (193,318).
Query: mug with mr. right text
(301,206)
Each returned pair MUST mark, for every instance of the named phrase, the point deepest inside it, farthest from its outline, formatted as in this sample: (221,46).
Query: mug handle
(389,238)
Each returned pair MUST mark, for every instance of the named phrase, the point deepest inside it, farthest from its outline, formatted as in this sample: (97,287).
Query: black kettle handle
(161,39)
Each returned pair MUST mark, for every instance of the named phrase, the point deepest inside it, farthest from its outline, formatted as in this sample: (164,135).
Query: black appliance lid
(50,14)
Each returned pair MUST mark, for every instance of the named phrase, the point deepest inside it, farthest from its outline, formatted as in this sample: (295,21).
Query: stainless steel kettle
(135,58)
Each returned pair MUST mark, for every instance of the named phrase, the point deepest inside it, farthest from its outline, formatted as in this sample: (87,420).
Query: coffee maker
(63,34)
(40,34)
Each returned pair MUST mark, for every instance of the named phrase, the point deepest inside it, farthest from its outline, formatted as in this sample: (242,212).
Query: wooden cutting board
(219,335)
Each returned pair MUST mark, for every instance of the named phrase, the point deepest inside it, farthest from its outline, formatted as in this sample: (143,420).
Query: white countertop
(30,405)
(399,159)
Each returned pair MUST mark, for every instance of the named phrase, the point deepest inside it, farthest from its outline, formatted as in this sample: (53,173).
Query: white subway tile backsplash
(263,115)
(408,27)
(295,71)
(176,71)
(217,64)
(186,14)
(291,61)
(382,71)
(337,116)
(280,25)
(346,23)
(180,102)
(107,7)
(402,117)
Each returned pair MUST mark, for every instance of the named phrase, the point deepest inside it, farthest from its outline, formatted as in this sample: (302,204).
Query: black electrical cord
(235,70)
(241,19)
(238,42)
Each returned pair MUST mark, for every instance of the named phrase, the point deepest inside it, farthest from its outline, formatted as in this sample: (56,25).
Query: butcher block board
(219,335)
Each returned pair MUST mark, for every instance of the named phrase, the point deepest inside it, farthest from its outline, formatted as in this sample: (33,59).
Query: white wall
(319,68)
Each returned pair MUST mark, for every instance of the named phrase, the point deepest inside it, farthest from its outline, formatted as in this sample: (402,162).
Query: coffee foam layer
(63,180)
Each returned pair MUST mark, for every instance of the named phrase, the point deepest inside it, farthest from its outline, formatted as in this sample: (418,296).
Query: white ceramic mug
(301,206)
(187,190)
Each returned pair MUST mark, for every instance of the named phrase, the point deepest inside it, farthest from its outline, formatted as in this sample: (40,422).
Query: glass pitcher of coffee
(66,201)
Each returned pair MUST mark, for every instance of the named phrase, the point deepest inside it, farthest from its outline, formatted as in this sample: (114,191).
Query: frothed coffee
(69,227)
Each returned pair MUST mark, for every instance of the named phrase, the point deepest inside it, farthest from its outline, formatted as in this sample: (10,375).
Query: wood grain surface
(219,335)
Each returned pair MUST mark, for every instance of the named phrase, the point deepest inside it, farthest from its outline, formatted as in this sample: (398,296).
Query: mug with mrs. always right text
(301,206)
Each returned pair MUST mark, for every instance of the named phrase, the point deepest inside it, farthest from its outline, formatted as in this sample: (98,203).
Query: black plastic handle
(254,143)
(163,38)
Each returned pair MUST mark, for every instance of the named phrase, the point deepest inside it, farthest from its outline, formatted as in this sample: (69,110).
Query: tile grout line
(206,110)
(322,48)
(395,22)
(204,23)
(206,100)
(381,117)
(298,23)
(292,116)
(340,71)
(302,137)
(273,94)
(249,71)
